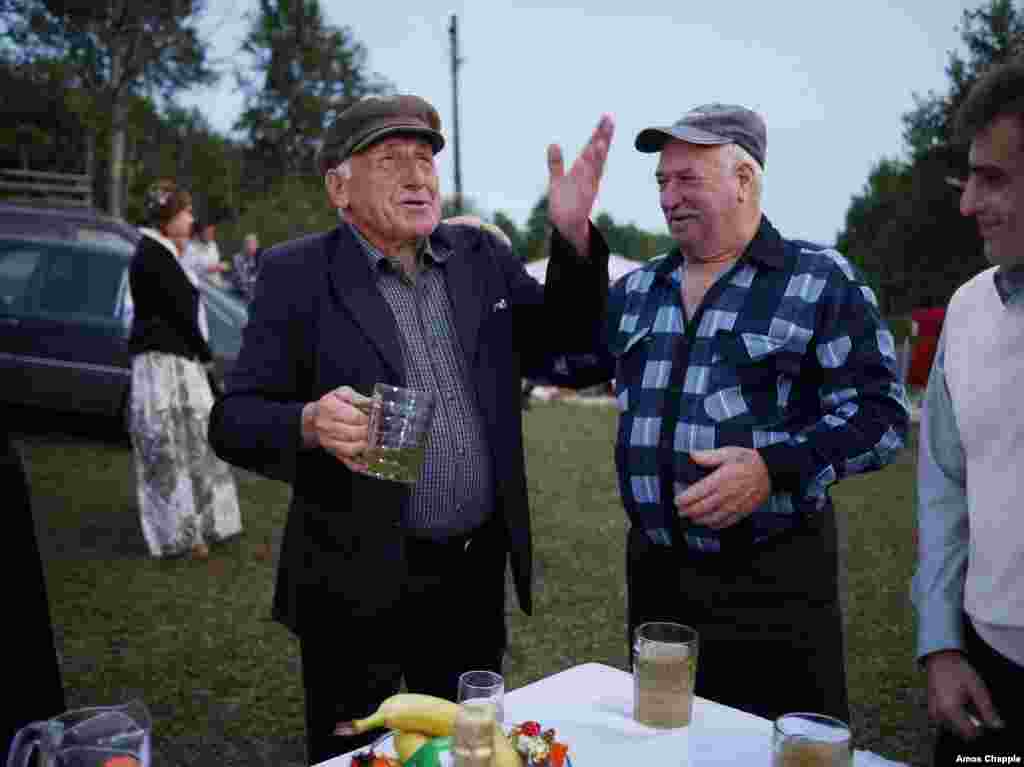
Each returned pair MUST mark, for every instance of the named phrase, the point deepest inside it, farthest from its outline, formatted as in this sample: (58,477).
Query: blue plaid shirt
(787,354)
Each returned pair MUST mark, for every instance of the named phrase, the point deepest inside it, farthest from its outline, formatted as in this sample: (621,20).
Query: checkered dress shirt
(787,354)
(454,493)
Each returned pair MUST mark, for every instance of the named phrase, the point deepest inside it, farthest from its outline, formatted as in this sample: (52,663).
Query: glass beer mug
(102,736)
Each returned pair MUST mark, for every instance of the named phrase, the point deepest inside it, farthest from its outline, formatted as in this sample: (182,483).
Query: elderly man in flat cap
(752,373)
(381,580)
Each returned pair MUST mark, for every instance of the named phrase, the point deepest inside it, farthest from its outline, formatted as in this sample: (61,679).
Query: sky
(831,79)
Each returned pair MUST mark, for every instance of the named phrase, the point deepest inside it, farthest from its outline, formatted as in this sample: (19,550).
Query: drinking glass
(473,733)
(99,736)
(664,674)
(811,740)
(399,427)
(483,685)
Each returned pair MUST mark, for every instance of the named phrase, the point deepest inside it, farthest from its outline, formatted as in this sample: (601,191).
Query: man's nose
(669,197)
(413,173)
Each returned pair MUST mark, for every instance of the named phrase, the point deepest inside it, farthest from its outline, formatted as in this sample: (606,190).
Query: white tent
(617,266)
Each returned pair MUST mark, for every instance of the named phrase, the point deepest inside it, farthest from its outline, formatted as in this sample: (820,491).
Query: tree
(38,130)
(991,33)
(114,50)
(537,230)
(304,72)
(904,229)
(182,145)
(631,241)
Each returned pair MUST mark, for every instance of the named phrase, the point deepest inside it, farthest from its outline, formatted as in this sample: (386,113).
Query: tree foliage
(631,241)
(111,52)
(904,229)
(304,72)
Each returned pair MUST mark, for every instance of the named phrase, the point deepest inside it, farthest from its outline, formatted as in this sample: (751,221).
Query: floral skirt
(186,494)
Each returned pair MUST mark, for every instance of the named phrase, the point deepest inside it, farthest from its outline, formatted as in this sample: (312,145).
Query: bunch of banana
(416,719)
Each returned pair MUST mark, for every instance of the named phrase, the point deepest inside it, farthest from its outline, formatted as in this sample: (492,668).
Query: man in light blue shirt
(969,586)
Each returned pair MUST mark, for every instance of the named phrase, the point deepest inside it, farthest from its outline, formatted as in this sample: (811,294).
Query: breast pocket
(752,378)
(631,354)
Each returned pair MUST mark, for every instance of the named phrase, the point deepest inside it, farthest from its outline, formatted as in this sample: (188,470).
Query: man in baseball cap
(394,296)
(752,372)
(712,125)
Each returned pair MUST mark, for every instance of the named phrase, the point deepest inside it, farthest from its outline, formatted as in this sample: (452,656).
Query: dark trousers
(1005,681)
(771,634)
(450,619)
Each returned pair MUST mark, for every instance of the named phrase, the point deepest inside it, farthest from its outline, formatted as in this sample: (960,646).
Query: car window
(81,284)
(17,266)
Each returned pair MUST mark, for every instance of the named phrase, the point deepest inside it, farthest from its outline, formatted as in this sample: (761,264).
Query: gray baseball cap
(710,125)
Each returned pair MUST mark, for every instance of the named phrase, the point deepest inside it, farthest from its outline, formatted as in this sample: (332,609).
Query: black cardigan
(166,304)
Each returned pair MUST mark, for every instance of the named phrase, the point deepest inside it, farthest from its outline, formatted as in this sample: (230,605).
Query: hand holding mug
(338,422)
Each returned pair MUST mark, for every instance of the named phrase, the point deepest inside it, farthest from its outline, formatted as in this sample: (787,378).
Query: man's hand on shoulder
(479,223)
(957,697)
(738,484)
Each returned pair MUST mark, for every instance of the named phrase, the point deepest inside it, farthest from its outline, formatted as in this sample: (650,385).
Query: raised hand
(571,195)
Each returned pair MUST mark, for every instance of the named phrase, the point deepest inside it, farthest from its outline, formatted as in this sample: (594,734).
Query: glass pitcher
(102,736)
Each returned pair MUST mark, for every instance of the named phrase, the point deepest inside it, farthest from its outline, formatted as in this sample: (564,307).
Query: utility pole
(456,61)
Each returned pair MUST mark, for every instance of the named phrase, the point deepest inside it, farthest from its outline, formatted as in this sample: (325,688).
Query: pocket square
(500,304)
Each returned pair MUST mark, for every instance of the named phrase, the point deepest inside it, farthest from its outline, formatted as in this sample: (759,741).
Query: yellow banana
(409,712)
(408,743)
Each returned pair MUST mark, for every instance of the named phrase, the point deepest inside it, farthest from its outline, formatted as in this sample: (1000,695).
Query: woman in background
(187,496)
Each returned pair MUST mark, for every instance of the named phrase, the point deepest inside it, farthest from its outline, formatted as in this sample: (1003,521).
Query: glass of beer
(664,674)
(483,686)
(811,740)
(399,426)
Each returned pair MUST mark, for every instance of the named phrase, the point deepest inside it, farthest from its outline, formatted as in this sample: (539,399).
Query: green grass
(194,639)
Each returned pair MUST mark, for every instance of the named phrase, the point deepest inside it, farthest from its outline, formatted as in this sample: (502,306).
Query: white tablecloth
(591,707)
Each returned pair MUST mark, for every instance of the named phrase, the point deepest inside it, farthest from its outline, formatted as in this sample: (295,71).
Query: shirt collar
(767,248)
(1010,284)
(425,251)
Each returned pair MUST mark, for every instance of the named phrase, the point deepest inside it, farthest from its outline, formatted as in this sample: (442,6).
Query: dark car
(80,224)
(64,321)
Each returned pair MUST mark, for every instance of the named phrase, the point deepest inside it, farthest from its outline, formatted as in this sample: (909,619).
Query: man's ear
(337,187)
(745,176)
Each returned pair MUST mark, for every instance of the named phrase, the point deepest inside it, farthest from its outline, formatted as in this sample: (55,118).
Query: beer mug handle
(25,743)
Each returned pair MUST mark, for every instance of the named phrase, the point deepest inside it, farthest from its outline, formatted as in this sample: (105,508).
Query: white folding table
(591,708)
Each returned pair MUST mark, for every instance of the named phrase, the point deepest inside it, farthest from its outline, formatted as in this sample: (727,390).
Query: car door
(20,266)
(78,356)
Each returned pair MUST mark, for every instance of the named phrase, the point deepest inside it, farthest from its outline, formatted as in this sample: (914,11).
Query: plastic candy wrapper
(434,753)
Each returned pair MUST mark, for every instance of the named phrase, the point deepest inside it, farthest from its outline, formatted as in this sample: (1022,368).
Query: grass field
(194,639)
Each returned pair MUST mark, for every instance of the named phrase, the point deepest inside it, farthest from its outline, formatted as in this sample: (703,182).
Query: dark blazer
(31,645)
(166,304)
(318,322)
